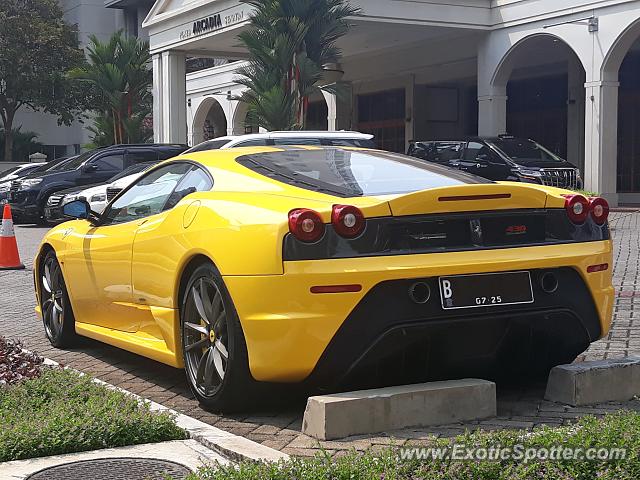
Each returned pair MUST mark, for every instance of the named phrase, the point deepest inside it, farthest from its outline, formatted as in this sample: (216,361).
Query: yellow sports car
(329,266)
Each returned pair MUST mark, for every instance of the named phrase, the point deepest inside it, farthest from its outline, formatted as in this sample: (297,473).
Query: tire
(213,345)
(57,315)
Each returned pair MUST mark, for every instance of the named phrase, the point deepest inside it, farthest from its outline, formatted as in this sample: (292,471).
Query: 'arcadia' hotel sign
(207,24)
(212,23)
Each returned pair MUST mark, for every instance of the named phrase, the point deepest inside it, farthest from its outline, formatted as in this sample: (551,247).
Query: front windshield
(523,151)
(9,171)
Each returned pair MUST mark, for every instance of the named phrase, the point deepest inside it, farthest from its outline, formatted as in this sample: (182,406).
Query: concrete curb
(233,447)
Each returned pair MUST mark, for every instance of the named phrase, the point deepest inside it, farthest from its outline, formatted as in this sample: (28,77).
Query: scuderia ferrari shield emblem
(476,232)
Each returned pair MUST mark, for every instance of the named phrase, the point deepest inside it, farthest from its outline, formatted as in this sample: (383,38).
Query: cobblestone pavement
(518,408)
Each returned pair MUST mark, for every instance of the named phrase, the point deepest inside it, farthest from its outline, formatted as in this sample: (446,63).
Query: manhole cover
(114,469)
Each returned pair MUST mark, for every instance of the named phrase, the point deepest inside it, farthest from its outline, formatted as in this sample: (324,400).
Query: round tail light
(348,221)
(599,210)
(306,225)
(577,208)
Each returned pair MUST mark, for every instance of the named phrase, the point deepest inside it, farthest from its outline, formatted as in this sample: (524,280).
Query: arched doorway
(543,80)
(242,123)
(622,65)
(209,121)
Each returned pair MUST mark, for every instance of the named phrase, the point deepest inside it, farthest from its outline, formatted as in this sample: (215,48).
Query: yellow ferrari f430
(329,267)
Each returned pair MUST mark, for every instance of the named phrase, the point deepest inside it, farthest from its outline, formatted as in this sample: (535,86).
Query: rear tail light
(306,225)
(348,221)
(599,210)
(577,208)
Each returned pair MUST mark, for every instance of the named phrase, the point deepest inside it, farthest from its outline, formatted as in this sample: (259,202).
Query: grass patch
(63,412)
(619,430)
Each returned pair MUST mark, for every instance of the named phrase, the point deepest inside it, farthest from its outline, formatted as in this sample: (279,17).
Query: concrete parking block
(329,417)
(594,382)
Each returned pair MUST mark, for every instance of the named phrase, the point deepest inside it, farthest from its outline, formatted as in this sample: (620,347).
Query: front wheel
(214,349)
(57,316)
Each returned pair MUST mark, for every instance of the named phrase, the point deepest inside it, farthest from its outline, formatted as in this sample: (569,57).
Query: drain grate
(114,469)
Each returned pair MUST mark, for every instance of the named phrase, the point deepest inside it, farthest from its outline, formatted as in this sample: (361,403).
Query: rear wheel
(214,349)
(57,316)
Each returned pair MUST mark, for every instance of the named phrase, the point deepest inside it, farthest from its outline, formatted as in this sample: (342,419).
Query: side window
(141,156)
(297,141)
(148,195)
(448,151)
(252,143)
(114,162)
(196,180)
(477,150)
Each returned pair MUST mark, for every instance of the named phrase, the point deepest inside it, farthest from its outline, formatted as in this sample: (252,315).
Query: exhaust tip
(420,293)
(549,282)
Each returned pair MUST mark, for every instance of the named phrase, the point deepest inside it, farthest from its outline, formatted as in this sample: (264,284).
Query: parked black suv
(501,158)
(28,195)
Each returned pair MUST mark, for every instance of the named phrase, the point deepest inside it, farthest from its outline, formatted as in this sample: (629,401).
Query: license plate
(485,290)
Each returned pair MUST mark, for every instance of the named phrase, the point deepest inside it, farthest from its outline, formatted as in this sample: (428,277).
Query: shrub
(619,430)
(63,412)
(15,364)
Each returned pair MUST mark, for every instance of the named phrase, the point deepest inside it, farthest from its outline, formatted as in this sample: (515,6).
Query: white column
(173,98)
(601,134)
(339,107)
(492,111)
(332,109)
(157,98)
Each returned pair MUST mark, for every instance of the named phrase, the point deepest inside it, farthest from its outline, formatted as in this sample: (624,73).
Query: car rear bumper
(24,205)
(293,334)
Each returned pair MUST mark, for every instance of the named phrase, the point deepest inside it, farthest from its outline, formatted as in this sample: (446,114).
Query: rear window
(350,173)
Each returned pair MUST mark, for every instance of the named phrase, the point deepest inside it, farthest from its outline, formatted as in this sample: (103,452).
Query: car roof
(304,134)
(148,145)
(471,139)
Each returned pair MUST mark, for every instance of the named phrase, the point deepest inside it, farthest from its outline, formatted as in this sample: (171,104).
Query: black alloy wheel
(214,349)
(57,316)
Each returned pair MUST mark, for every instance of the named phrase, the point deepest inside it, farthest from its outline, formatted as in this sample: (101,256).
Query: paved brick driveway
(279,427)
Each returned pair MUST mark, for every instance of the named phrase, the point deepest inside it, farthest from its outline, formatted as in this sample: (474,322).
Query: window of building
(383,115)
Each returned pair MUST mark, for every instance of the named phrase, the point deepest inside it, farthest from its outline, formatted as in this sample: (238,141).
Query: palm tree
(118,70)
(289,43)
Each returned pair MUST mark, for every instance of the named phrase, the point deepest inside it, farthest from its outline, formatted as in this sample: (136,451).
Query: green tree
(119,74)
(289,42)
(37,48)
(24,144)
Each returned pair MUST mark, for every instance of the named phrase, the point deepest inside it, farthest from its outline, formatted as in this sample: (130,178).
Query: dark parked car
(501,158)
(22,172)
(28,196)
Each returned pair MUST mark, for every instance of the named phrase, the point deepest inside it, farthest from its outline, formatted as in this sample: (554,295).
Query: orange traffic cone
(9,256)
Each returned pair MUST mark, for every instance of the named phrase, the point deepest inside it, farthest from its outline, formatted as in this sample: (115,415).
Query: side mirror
(89,168)
(79,209)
